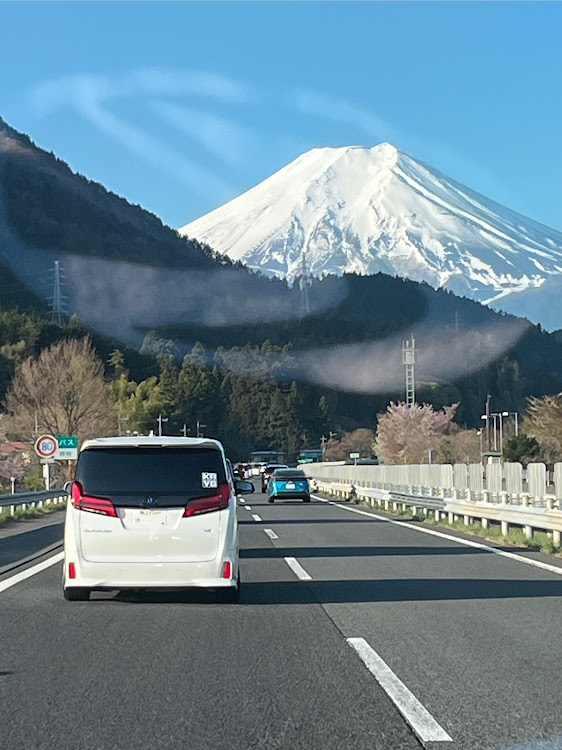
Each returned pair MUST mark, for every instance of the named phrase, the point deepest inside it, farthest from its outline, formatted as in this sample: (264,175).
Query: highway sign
(355,455)
(68,448)
(46,446)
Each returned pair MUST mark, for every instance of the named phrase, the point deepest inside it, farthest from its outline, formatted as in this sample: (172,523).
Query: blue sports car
(288,484)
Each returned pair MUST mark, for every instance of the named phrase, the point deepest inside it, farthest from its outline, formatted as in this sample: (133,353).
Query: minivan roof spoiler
(142,441)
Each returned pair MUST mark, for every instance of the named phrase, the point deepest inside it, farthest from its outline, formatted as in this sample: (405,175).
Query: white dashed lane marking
(297,569)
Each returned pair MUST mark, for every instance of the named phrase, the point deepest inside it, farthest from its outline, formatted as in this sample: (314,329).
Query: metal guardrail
(26,500)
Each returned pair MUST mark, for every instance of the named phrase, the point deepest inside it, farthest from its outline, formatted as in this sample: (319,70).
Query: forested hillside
(130,278)
(52,208)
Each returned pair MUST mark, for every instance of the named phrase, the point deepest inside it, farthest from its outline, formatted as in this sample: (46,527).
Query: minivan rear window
(147,470)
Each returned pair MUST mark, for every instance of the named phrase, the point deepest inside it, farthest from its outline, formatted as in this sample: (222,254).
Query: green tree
(522,448)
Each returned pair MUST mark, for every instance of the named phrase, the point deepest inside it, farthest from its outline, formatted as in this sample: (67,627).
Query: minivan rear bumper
(146,575)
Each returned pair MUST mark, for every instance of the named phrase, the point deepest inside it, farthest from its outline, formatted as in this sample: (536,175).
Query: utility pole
(488,441)
(325,440)
(120,421)
(160,420)
(409,353)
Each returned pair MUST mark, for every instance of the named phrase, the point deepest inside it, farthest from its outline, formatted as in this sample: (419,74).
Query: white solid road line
(297,568)
(442,535)
(9,582)
(271,534)
(417,716)
(256,517)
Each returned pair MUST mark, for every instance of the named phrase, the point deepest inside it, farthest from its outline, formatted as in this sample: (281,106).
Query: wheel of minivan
(306,499)
(76,594)
(270,500)
(232,596)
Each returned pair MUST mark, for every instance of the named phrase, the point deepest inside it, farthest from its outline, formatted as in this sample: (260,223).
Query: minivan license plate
(150,518)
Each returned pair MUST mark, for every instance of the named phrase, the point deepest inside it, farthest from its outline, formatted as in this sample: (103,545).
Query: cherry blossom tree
(405,434)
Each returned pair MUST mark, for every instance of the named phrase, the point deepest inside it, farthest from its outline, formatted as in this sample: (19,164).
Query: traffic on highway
(280,376)
(303,625)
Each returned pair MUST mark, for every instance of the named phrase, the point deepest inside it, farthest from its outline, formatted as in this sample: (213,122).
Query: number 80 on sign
(46,446)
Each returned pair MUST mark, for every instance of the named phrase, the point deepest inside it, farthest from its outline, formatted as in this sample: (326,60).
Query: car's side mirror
(68,488)
(244,488)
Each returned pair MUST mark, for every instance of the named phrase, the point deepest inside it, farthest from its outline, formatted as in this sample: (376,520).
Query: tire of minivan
(76,595)
(306,499)
(232,596)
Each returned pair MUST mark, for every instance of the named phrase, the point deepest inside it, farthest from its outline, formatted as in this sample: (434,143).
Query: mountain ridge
(367,210)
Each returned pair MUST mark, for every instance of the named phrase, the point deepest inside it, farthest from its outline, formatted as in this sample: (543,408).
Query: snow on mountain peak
(365,210)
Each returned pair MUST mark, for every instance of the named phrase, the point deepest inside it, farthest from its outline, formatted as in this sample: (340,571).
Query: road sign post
(355,456)
(47,475)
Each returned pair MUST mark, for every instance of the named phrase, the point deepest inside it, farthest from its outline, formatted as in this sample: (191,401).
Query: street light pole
(501,433)
(516,415)
(488,441)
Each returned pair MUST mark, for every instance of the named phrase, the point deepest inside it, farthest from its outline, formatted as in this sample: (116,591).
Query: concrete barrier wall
(496,479)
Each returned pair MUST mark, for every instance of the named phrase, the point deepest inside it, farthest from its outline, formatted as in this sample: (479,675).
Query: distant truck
(311,456)
(267,457)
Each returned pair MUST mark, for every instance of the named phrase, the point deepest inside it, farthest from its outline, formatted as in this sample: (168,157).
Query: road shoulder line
(417,716)
(33,570)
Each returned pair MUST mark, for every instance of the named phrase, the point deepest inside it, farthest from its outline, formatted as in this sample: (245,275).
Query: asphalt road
(27,537)
(475,637)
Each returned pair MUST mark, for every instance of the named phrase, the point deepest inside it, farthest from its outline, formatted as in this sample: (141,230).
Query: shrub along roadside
(540,541)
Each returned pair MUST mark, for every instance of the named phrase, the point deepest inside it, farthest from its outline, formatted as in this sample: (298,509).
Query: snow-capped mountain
(366,210)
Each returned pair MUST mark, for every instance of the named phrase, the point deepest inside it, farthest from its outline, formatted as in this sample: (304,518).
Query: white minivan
(152,512)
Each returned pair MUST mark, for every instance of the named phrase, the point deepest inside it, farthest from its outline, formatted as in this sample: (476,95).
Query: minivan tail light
(100,505)
(199,505)
(227,569)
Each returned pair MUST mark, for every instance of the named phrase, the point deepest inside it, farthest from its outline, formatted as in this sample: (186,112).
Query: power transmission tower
(409,353)
(58,299)
(304,279)
(457,321)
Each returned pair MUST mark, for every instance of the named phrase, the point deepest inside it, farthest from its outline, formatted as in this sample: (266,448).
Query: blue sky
(182,106)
